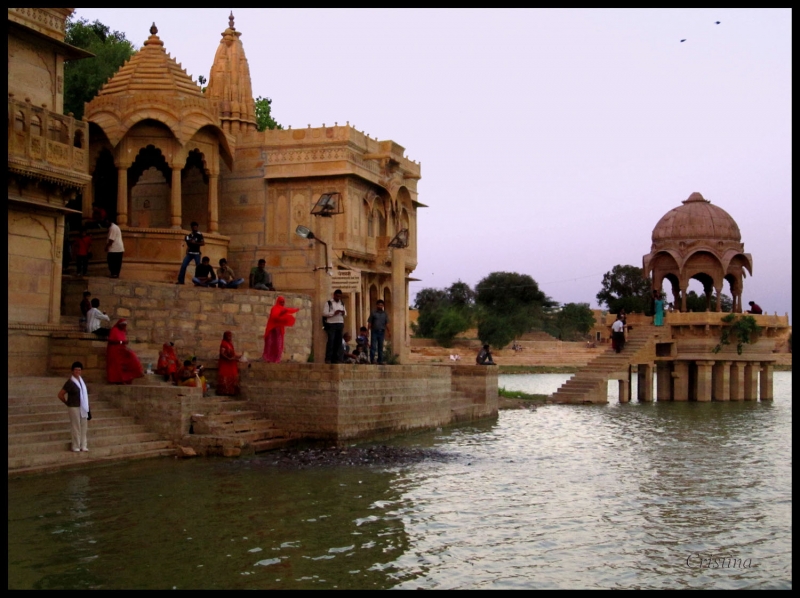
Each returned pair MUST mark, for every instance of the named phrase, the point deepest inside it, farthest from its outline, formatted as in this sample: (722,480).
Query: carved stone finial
(230,21)
(153,29)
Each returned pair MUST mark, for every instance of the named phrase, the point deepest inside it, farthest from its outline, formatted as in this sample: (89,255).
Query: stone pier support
(722,381)
(702,390)
(765,382)
(122,195)
(751,380)
(624,391)
(737,381)
(664,381)
(680,381)
(644,387)
(175,199)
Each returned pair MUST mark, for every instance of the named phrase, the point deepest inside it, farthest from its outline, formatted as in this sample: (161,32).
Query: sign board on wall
(349,281)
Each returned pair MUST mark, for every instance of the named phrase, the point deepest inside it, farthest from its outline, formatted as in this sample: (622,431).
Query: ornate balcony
(47,146)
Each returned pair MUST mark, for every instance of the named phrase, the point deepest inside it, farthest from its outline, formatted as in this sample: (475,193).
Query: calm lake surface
(659,495)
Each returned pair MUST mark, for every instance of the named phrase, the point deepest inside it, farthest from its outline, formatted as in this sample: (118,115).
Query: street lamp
(306,233)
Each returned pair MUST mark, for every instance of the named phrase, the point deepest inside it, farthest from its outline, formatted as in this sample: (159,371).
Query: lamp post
(322,291)
(399,295)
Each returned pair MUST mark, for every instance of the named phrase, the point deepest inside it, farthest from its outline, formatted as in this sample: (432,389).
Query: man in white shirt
(618,334)
(114,248)
(94,319)
(334,312)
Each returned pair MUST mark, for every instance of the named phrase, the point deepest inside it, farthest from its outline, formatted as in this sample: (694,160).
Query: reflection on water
(613,496)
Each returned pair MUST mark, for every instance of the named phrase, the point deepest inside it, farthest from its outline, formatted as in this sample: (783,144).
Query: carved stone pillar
(751,380)
(737,381)
(680,381)
(88,200)
(664,381)
(765,382)
(644,386)
(684,289)
(175,199)
(703,381)
(722,381)
(213,208)
(718,291)
(122,195)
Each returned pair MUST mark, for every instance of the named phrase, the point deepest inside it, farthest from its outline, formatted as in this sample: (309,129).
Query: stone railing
(38,135)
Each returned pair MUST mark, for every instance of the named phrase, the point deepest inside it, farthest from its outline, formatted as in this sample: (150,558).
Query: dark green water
(618,496)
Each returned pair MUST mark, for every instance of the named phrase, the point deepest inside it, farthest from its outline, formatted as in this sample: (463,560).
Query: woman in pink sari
(279,318)
(228,371)
(122,364)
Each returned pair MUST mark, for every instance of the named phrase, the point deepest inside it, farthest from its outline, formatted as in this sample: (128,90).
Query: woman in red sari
(167,362)
(122,364)
(279,318)
(228,372)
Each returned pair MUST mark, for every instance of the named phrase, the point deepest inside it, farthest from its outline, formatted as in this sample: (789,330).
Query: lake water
(657,495)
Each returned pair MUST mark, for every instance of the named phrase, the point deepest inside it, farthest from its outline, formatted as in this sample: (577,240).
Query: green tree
(695,302)
(625,287)
(443,313)
(509,305)
(264,118)
(84,78)
(572,322)
(452,321)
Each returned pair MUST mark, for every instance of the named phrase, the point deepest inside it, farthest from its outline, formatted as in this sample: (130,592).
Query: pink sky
(551,141)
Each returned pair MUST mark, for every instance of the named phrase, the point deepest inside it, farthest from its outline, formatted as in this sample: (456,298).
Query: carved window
(371,224)
(78,140)
(36,126)
(19,121)
(58,131)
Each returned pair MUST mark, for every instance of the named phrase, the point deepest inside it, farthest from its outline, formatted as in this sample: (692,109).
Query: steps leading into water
(231,427)
(590,384)
(39,436)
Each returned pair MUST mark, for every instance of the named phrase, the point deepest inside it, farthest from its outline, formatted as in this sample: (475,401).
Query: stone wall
(193,318)
(480,384)
(33,259)
(165,410)
(342,402)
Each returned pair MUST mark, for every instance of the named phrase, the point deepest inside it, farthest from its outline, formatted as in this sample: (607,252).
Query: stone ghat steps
(590,383)
(58,433)
(231,428)
(100,456)
(95,444)
(39,437)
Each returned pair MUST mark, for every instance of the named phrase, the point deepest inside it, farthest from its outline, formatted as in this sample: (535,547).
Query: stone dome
(697,219)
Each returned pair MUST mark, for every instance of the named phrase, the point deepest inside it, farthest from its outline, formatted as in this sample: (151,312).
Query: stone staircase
(39,437)
(231,427)
(590,383)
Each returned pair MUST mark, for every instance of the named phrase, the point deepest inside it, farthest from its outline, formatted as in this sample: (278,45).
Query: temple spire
(229,87)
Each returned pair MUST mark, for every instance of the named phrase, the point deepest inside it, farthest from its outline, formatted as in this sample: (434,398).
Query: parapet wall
(342,402)
(194,318)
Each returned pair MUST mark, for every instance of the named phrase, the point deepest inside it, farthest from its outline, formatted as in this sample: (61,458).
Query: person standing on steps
(75,396)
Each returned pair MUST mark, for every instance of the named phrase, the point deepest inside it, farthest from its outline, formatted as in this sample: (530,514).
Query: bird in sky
(717,22)
(683,40)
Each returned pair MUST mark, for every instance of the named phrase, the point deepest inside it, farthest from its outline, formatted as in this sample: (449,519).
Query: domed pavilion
(701,241)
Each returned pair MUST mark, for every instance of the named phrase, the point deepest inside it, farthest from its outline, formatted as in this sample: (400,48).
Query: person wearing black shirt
(204,275)
(194,241)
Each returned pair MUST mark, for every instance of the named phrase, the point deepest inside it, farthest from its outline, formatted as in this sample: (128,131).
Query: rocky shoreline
(353,456)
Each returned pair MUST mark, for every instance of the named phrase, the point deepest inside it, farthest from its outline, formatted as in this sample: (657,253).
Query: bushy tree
(83,78)
(625,287)
(452,322)
(444,313)
(509,305)
(572,322)
(695,302)
(264,118)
